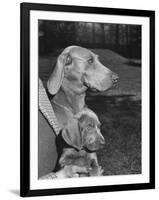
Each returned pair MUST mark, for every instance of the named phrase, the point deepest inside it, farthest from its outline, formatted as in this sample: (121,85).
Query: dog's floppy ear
(55,81)
(72,135)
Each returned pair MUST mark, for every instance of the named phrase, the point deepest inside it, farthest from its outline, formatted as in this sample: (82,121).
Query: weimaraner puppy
(77,69)
(79,141)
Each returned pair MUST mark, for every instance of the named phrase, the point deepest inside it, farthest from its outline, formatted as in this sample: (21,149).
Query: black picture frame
(25,9)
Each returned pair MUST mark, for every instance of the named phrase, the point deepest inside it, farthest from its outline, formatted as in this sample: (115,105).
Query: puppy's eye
(68,60)
(89,127)
(91,60)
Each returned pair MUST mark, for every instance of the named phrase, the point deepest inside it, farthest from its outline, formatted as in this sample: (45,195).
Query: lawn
(119,111)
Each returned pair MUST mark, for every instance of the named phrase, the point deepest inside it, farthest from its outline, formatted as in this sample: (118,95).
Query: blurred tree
(122,38)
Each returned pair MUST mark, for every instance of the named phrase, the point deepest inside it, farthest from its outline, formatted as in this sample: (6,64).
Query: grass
(119,111)
(121,128)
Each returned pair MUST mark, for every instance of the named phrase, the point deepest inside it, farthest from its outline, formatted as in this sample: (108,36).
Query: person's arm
(68,171)
(51,175)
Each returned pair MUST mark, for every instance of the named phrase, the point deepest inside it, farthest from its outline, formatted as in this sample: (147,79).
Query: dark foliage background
(123,38)
(119,109)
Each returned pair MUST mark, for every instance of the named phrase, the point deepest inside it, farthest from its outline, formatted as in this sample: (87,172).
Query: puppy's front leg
(95,169)
(92,160)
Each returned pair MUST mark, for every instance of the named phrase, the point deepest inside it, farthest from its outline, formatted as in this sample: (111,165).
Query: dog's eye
(89,127)
(91,60)
(68,60)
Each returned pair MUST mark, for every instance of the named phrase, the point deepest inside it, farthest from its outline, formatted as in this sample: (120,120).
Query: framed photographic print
(87,99)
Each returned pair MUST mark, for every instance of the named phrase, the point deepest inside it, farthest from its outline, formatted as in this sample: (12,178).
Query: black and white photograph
(91,73)
(89,80)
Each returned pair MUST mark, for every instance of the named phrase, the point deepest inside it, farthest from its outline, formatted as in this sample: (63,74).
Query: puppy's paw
(96,171)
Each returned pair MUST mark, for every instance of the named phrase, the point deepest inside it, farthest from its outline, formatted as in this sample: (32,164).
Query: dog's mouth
(114,85)
(90,87)
(94,147)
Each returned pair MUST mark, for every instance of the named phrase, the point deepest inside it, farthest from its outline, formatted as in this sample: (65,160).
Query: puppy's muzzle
(96,143)
(101,143)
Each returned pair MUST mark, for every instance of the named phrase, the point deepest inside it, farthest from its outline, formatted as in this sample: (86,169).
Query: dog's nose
(115,78)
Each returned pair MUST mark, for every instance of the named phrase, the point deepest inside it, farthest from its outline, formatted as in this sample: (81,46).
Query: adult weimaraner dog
(77,70)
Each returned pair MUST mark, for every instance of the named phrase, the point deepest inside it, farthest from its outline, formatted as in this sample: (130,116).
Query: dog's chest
(63,115)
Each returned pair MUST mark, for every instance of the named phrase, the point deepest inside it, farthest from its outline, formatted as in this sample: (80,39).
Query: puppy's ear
(55,81)
(82,121)
(72,135)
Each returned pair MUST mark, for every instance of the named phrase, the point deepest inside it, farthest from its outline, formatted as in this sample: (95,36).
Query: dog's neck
(70,99)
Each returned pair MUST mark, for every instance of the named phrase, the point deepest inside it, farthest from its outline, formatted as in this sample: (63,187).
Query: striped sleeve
(47,109)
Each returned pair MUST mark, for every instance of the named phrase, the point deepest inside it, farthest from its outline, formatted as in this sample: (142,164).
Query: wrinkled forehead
(94,121)
(80,52)
(90,119)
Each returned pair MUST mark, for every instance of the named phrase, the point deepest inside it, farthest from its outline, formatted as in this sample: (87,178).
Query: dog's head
(80,69)
(84,131)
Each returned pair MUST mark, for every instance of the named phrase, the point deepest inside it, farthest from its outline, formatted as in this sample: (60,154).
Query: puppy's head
(89,126)
(84,131)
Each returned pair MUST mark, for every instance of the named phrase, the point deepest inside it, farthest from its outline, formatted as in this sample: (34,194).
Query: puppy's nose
(115,78)
(102,142)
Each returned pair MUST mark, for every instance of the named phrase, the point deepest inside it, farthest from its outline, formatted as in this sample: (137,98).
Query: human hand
(70,171)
